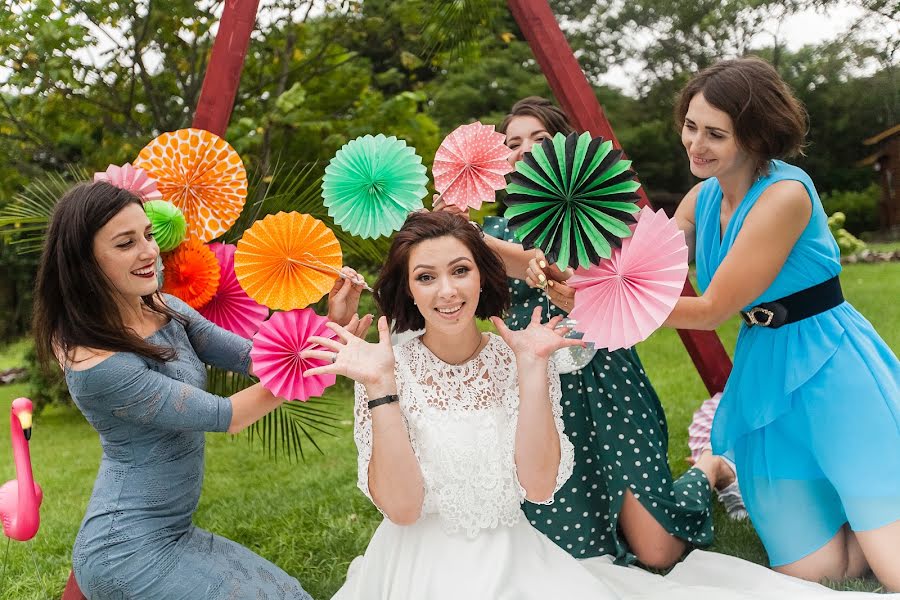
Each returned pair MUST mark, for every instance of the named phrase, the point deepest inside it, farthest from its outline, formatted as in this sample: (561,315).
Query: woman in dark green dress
(622,499)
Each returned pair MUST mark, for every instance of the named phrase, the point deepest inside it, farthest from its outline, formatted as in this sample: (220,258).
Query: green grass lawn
(309,518)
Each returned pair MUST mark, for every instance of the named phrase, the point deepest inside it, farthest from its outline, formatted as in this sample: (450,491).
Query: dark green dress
(616,423)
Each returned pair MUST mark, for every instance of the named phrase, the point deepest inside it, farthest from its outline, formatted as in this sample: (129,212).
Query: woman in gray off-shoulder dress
(134,361)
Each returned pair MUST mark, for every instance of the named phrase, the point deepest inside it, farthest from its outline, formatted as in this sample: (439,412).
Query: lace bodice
(461,421)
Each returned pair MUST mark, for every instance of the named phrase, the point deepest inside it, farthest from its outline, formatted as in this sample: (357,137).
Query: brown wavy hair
(769,121)
(74,302)
(553,117)
(392,287)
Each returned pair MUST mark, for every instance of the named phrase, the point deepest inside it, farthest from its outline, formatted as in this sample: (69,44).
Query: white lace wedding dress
(472,540)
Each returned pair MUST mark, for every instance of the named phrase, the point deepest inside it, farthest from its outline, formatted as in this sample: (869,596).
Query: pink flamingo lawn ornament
(20,498)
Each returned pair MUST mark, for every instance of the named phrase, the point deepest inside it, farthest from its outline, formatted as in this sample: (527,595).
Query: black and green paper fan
(573,197)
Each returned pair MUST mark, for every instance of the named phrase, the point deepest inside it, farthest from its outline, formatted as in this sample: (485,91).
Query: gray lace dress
(137,539)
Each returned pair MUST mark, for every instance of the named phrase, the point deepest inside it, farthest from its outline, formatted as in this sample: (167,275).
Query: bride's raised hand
(537,341)
(348,355)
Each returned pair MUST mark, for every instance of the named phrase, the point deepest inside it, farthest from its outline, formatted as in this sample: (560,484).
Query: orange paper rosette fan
(287,261)
(191,273)
(201,174)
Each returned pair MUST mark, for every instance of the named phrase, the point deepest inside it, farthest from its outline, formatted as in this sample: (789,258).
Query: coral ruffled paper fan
(192,273)
(574,198)
(372,184)
(231,308)
(129,178)
(470,165)
(202,175)
(287,261)
(169,226)
(626,298)
(276,354)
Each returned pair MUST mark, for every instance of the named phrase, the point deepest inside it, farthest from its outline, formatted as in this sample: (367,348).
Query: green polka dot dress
(616,423)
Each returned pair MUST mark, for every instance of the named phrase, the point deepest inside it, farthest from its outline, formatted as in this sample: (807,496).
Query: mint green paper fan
(574,197)
(372,184)
(169,226)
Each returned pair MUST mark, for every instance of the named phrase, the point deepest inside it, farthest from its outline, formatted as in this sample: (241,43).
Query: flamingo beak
(25,422)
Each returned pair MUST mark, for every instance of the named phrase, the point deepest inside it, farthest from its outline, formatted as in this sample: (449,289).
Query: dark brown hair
(392,287)
(74,302)
(769,121)
(553,118)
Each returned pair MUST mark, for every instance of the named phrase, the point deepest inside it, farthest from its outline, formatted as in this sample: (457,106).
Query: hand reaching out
(343,299)
(537,341)
(353,357)
(550,278)
(438,204)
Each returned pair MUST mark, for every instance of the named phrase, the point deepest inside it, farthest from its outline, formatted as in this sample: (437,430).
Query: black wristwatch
(383,400)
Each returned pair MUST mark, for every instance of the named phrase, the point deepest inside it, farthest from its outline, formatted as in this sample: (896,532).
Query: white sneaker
(733,501)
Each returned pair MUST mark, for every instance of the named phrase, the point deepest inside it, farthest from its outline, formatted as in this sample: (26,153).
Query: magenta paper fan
(470,165)
(624,299)
(132,179)
(231,308)
(276,354)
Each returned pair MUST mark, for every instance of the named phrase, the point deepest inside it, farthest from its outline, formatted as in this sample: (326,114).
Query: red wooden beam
(223,73)
(577,98)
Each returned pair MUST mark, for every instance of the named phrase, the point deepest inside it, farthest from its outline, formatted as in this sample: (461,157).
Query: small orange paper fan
(191,273)
(287,261)
(202,175)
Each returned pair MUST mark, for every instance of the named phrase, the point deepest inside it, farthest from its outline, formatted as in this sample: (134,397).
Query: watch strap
(383,400)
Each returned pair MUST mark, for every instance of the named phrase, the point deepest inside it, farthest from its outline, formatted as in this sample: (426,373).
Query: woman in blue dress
(811,412)
(134,364)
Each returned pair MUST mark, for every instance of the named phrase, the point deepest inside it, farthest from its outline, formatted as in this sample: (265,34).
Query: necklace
(478,348)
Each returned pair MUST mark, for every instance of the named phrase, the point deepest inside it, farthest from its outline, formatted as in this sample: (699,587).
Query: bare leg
(650,542)
(880,547)
(837,560)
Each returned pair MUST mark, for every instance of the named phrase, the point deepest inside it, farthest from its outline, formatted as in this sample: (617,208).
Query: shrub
(847,242)
(859,207)
(45,387)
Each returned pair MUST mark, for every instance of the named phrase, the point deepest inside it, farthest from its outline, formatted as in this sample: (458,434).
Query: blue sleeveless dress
(137,539)
(811,411)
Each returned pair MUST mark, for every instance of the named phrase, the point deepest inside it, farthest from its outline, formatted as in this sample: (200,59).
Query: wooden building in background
(885,160)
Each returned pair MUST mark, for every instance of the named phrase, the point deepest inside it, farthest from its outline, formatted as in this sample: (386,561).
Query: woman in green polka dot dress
(621,499)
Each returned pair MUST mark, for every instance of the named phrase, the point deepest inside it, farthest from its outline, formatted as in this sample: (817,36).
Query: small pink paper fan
(132,179)
(276,354)
(231,307)
(621,301)
(470,165)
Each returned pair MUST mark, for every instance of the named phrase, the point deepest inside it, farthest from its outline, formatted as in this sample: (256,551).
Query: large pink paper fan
(231,307)
(627,297)
(470,165)
(276,354)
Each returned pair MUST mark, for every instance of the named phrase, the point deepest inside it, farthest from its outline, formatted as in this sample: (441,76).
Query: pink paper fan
(470,165)
(626,298)
(276,354)
(132,179)
(231,307)
(700,429)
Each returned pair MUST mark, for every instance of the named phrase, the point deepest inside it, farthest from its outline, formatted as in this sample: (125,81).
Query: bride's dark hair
(392,287)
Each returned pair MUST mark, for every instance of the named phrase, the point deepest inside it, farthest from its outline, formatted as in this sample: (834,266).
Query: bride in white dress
(456,428)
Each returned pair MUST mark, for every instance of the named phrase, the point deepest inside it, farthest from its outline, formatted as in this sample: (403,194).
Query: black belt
(796,307)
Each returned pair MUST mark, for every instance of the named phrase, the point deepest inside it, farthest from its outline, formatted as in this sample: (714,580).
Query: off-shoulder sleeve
(566,449)
(214,346)
(128,389)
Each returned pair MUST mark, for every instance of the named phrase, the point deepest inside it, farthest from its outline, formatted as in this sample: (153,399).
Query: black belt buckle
(768,314)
